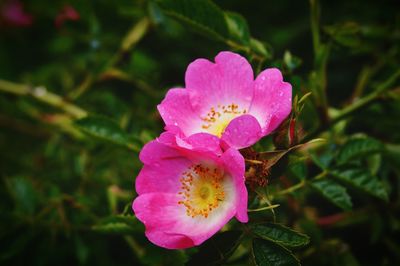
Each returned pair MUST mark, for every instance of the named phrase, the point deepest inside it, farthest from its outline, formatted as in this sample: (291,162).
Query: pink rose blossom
(13,13)
(67,13)
(224,100)
(188,189)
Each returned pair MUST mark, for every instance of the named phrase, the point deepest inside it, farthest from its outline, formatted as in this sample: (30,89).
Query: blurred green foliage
(78,100)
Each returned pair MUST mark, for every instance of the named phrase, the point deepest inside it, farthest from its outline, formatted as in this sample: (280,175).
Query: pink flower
(13,14)
(224,100)
(67,13)
(188,190)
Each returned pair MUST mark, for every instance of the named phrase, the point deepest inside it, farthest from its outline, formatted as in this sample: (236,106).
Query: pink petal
(234,164)
(272,99)
(176,110)
(204,142)
(161,212)
(154,152)
(242,131)
(199,143)
(169,241)
(162,176)
(157,211)
(163,165)
(229,80)
(169,138)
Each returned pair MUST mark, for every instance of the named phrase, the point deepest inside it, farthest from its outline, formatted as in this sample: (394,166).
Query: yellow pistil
(218,119)
(201,190)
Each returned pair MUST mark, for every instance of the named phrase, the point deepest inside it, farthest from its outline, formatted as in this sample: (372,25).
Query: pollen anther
(217,119)
(201,190)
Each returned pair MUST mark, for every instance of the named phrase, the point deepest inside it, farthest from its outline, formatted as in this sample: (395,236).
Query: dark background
(62,192)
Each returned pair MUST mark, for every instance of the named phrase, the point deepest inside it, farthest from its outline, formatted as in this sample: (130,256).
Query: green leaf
(280,234)
(24,194)
(155,13)
(362,180)
(299,170)
(238,28)
(203,16)
(333,192)
(259,48)
(104,129)
(119,224)
(267,253)
(323,161)
(206,18)
(291,62)
(374,163)
(216,250)
(356,148)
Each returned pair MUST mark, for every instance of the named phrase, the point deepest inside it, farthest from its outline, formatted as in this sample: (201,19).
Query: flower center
(201,190)
(204,192)
(218,119)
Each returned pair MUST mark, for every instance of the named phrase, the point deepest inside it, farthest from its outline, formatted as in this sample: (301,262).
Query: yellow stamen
(201,190)
(218,119)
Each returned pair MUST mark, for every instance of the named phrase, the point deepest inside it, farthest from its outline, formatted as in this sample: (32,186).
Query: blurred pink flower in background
(12,14)
(67,13)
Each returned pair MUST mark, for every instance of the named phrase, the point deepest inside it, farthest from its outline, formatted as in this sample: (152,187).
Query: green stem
(41,94)
(118,74)
(315,24)
(367,99)
(264,208)
(14,88)
(362,81)
(292,188)
(300,185)
(318,78)
(136,248)
(133,36)
(382,88)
